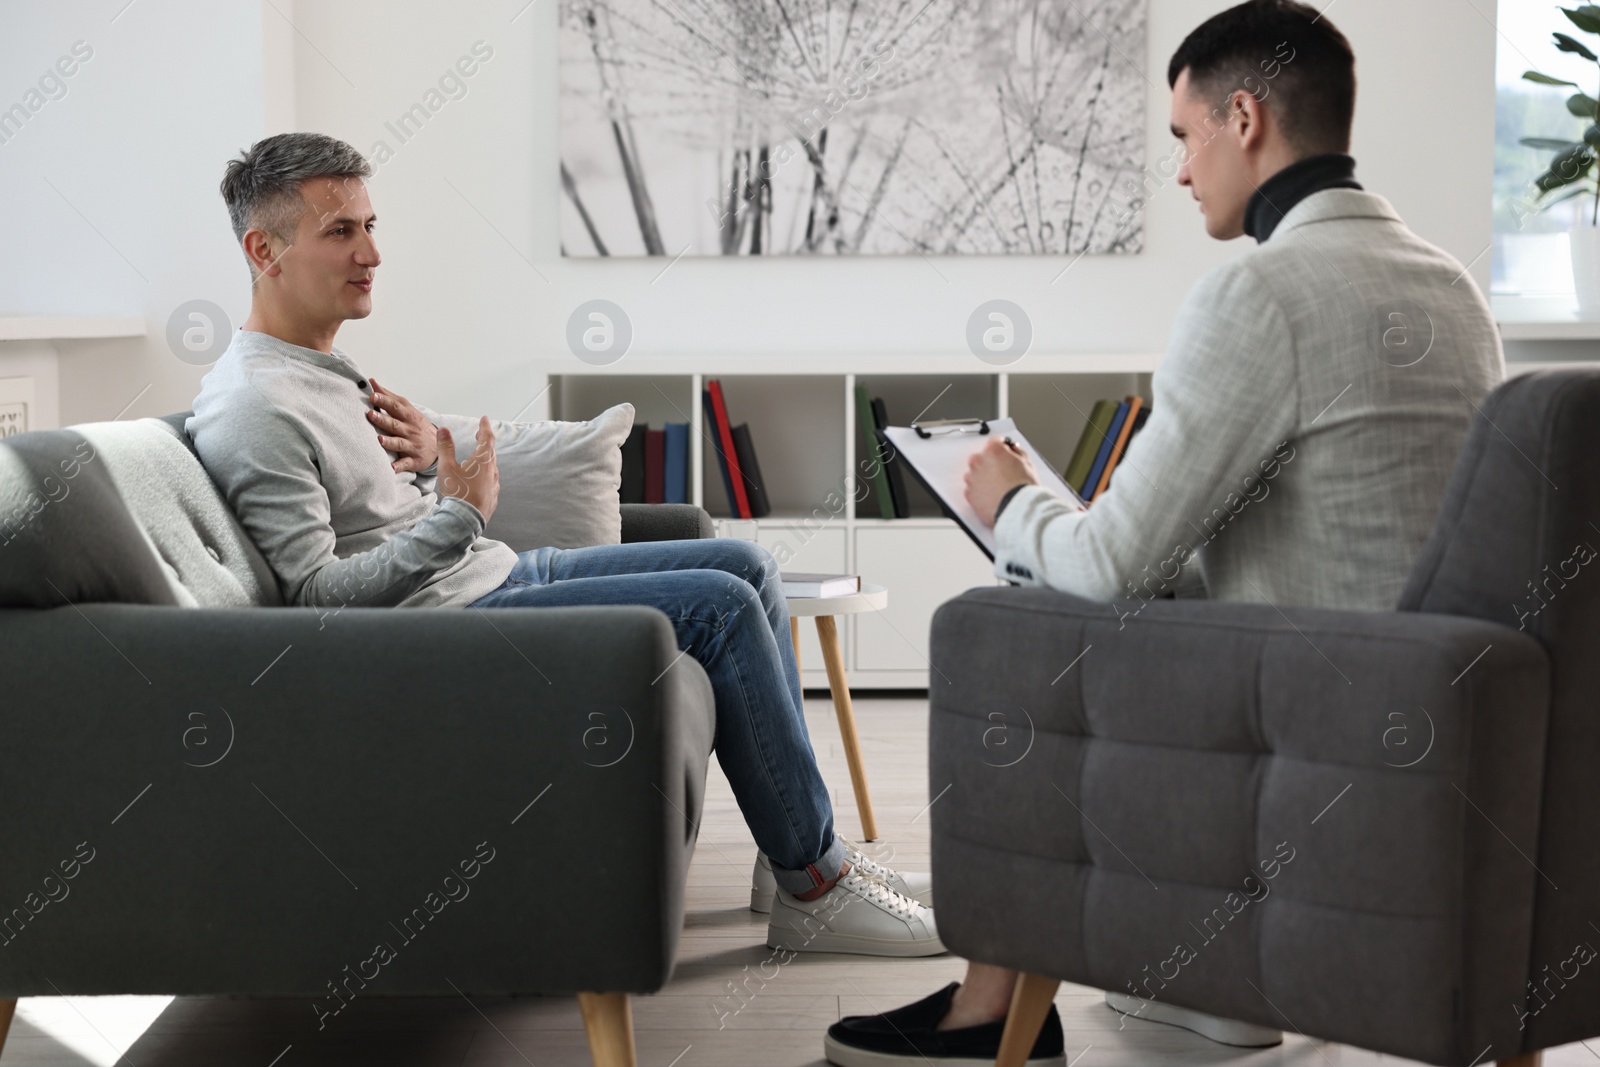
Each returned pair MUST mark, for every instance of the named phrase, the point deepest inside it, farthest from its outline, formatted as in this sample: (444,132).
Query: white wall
(457,311)
(461,313)
(135,148)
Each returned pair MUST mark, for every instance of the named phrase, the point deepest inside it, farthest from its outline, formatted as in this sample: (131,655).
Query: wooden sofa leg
(608,1020)
(1526,1059)
(8,1008)
(1030,1003)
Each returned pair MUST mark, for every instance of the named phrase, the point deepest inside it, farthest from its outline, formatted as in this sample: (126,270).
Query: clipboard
(937,454)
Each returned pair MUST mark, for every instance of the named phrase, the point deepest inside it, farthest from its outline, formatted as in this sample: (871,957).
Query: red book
(725,436)
(655,466)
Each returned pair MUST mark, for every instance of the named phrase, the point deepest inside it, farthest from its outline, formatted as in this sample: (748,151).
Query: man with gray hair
(354,497)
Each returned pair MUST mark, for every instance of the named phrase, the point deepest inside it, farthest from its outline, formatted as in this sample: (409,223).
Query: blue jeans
(726,604)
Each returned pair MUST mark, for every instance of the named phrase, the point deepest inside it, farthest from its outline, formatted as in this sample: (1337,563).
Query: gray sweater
(282,430)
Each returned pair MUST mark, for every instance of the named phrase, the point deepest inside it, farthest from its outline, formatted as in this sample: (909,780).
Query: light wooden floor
(780,1023)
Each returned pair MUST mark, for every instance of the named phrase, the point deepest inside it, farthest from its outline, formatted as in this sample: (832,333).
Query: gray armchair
(1378,828)
(212,795)
(664,522)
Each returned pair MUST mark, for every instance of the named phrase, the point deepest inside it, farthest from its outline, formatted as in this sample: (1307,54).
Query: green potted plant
(1572,171)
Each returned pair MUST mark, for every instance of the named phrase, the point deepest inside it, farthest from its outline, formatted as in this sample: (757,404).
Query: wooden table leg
(794,638)
(839,686)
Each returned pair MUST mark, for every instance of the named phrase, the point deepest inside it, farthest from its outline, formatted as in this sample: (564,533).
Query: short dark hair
(262,186)
(1312,93)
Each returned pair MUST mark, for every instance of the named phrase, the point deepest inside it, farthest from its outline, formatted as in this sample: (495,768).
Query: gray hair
(262,186)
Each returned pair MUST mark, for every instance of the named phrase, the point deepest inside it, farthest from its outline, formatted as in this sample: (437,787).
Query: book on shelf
(1138,424)
(716,447)
(1135,405)
(873,472)
(738,501)
(1103,454)
(755,488)
(675,480)
(632,489)
(890,460)
(1094,433)
(807,585)
(655,466)
(1111,428)
(741,474)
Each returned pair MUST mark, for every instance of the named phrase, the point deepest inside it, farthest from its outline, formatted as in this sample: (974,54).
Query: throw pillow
(558,480)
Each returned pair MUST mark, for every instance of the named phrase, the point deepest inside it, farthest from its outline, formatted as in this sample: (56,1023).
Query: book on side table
(797,584)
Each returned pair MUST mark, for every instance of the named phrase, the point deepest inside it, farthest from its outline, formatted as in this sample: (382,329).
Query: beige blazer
(1308,412)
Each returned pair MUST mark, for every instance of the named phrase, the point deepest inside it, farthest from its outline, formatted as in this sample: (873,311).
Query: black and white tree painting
(851,127)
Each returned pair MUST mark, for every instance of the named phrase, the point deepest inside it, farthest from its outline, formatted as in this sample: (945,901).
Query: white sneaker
(1222,1031)
(918,885)
(859,914)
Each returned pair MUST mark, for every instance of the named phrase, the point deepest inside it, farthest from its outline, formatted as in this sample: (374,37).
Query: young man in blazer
(1314,396)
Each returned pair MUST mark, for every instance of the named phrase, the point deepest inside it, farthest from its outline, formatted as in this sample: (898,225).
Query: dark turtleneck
(1272,201)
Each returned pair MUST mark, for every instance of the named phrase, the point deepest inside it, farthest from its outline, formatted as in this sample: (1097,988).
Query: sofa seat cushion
(120,512)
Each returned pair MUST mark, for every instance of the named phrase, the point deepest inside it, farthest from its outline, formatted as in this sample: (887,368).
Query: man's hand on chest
(403,429)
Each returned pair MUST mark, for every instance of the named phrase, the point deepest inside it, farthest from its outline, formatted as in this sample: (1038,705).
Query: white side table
(823,609)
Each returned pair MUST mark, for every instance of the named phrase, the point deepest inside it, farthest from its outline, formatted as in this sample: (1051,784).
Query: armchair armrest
(507,797)
(1363,788)
(664,522)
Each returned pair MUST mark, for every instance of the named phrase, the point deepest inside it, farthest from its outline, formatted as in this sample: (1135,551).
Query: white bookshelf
(802,417)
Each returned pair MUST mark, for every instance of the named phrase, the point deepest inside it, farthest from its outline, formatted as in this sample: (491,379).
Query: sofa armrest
(272,795)
(664,522)
(1108,776)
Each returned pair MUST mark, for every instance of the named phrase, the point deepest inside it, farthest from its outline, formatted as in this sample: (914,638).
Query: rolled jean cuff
(825,869)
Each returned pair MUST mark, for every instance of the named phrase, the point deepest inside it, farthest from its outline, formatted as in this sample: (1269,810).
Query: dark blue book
(632,489)
(1090,483)
(716,445)
(677,462)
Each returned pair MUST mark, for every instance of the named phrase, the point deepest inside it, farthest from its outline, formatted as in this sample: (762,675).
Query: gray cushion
(120,511)
(558,480)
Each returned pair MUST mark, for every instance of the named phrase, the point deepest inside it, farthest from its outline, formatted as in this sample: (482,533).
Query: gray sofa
(1377,828)
(241,798)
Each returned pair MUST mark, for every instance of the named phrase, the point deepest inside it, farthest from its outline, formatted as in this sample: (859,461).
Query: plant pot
(1585,241)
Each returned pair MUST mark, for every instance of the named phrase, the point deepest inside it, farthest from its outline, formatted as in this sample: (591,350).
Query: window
(1531,254)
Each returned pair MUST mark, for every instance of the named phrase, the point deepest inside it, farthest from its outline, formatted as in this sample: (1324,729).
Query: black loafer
(907,1035)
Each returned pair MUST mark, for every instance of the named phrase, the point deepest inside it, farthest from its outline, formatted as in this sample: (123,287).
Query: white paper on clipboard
(940,463)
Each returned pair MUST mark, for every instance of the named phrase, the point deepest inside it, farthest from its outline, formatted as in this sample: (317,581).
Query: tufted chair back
(1518,543)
